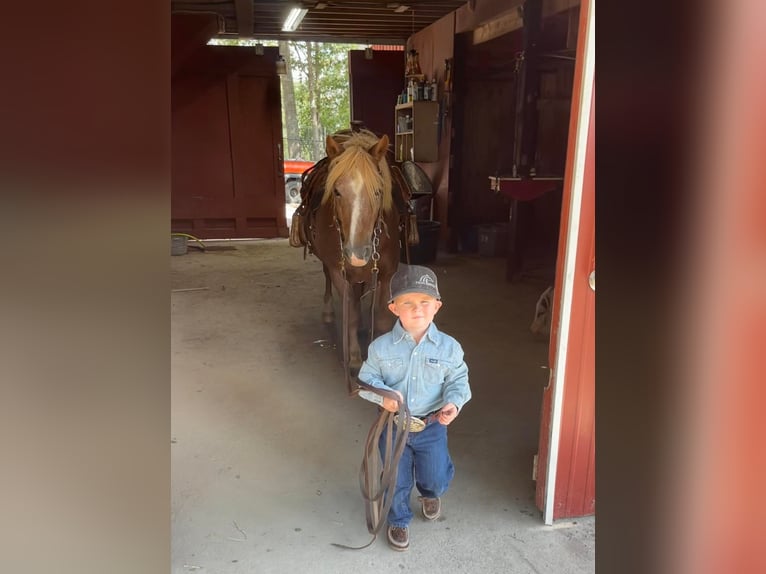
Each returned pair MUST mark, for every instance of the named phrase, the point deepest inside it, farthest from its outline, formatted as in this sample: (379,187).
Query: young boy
(424,367)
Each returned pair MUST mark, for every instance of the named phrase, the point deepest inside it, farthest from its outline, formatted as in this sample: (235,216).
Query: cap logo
(426,280)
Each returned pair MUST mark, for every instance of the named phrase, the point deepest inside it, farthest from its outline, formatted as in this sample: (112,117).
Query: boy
(424,367)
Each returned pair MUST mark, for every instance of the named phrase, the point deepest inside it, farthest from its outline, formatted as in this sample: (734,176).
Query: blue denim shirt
(429,374)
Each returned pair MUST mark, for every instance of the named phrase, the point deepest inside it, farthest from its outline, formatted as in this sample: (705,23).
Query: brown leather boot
(432,507)
(398,538)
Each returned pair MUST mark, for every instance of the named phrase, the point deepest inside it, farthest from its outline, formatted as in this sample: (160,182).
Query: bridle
(377,482)
(375,258)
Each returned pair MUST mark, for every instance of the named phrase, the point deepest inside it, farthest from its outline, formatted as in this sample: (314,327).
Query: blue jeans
(426,463)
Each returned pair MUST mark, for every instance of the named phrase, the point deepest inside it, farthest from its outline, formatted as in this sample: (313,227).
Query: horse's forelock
(356,157)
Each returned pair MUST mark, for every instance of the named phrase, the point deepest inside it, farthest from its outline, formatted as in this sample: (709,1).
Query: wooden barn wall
(483,11)
(484,103)
(485,121)
(226,133)
(374,86)
(435,44)
(468,19)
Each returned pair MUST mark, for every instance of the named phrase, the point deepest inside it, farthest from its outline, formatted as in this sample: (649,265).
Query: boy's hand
(447,414)
(391,405)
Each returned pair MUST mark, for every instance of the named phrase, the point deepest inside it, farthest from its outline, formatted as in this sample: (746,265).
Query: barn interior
(266,444)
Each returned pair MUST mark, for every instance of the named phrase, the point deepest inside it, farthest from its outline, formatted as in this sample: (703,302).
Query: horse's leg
(328,314)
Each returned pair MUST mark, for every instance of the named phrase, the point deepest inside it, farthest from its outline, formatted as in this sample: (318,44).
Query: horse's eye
(336,192)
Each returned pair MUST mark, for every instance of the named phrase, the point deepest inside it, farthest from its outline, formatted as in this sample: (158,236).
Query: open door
(566,456)
(227,157)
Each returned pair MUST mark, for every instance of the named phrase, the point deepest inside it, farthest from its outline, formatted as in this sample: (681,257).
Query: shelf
(418,141)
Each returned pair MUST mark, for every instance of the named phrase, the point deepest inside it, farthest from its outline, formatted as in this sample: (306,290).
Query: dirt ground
(266,445)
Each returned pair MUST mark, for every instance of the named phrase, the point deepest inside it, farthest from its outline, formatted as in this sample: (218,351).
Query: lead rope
(378,484)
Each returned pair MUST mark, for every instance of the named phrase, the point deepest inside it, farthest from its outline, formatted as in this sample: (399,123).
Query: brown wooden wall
(435,44)
(374,86)
(226,138)
(485,103)
(485,120)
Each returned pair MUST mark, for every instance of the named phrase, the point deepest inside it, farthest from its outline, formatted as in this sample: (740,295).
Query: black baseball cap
(414,279)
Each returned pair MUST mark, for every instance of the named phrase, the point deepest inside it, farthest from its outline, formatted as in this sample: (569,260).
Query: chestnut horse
(352,222)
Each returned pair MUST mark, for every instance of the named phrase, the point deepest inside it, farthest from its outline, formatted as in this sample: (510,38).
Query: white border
(567,284)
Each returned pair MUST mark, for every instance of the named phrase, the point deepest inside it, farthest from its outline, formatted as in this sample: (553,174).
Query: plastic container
(493,240)
(178,245)
(425,251)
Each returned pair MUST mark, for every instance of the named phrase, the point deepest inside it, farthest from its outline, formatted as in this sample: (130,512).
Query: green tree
(315,93)
(320,79)
(289,114)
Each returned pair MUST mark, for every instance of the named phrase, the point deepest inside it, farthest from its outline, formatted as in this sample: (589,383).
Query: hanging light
(368,53)
(259,49)
(281,66)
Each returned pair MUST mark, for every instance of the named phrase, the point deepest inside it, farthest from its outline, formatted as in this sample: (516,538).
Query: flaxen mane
(377,178)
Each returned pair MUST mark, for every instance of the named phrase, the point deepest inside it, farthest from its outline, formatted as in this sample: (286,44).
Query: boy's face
(415,310)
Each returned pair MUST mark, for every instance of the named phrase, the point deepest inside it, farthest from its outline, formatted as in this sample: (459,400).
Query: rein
(375,257)
(378,482)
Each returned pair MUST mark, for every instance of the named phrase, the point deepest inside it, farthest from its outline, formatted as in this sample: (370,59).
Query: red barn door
(566,458)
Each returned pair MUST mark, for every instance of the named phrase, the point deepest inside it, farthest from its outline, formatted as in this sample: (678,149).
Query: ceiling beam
(245,18)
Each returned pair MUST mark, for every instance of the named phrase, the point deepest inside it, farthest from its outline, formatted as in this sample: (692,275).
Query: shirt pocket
(393,370)
(436,370)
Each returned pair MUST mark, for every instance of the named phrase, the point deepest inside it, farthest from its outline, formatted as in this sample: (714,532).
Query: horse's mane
(356,156)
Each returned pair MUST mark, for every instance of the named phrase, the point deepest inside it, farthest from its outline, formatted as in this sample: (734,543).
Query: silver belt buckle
(416,424)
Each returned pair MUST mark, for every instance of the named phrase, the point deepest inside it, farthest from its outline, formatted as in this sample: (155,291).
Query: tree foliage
(318,94)
(322,105)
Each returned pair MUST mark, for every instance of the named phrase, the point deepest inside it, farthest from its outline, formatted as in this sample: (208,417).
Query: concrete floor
(266,446)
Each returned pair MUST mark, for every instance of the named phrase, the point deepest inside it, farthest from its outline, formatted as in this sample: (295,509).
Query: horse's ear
(378,151)
(331,147)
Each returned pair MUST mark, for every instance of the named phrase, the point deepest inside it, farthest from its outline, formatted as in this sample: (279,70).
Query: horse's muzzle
(357,257)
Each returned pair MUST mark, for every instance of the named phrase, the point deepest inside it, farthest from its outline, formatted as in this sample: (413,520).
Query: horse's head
(359,187)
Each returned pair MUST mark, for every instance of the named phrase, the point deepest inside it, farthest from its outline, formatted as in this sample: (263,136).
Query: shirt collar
(399,333)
